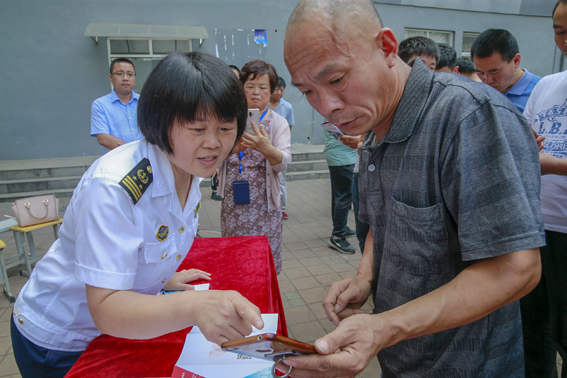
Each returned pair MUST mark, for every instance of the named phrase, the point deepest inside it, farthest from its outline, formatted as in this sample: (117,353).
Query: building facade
(55,54)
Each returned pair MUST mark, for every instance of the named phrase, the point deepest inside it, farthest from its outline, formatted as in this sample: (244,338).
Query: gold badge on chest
(162,233)
(197,208)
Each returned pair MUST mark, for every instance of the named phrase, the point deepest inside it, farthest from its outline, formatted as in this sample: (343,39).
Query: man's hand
(351,141)
(109,141)
(180,279)
(345,298)
(539,141)
(226,315)
(345,352)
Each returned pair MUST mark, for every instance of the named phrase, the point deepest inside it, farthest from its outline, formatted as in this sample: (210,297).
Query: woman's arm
(220,315)
(104,219)
(281,139)
(260,141)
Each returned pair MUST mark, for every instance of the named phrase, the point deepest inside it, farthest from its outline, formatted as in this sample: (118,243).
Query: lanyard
(241,153)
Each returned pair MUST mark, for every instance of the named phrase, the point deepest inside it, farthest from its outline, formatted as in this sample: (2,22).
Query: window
(439,36)
(144,53)
(468,39)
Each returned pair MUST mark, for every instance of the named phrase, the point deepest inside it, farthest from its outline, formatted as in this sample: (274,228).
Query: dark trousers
(544,312)
(341,197)
(214,182)
(362,228)
(38,362)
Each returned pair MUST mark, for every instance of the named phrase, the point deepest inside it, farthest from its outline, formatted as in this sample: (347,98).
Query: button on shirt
(456,180)
(106,241)
(109,115)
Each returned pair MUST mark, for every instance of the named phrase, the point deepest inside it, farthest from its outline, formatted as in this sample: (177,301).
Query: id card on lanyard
(241,188)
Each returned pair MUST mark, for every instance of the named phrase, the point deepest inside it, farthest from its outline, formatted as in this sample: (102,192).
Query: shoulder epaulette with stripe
(138,180)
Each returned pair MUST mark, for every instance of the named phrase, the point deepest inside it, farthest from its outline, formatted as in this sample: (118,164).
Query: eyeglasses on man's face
(121,74)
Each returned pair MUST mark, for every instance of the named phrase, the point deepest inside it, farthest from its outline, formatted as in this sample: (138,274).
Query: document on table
(202,359)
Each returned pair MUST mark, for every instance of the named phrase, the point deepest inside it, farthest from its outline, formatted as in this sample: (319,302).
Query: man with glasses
(113,117)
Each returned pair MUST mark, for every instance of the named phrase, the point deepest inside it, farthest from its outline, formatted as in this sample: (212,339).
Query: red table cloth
(244,264)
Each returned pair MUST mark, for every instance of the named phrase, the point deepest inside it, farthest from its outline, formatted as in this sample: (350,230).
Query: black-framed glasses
(130,74)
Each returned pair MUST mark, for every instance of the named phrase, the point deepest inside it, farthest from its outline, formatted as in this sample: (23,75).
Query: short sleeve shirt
(546,111)
(108,241)
(285,109)
(521,91)
(109,115)
(455,180)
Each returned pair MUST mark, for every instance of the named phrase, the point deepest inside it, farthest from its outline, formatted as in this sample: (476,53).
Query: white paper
(201,358)
(202,286)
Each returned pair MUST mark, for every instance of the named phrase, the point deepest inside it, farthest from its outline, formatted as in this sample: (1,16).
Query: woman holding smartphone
(131,222)
(257,159)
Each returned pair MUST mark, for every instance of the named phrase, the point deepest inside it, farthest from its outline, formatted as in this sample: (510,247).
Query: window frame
(450,33)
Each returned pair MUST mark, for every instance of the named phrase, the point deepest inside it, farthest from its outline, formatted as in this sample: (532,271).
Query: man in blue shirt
(496,58)
(283,108)
(113,117)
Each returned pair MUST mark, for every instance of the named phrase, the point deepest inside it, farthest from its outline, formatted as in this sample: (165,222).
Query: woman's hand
(238,147)
(180,279)
(225,315)
(260,141)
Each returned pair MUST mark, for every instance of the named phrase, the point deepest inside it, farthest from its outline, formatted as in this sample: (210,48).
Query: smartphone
(253,115)
(332,129)
(268,346)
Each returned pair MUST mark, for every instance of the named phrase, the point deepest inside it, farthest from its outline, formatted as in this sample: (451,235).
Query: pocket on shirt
(417,239)
(155,264)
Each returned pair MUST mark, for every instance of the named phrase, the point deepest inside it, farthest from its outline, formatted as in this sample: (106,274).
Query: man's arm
(477,291)
(550,165)
(347,296)
(109,141)
(100,127)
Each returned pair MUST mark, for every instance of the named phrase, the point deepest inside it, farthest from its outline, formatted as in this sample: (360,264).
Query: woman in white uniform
(131,222)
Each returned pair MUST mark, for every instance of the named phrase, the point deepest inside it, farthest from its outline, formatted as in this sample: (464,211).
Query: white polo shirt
(108,241)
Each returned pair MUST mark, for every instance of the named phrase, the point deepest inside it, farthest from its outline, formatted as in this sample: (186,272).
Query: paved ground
(309,267)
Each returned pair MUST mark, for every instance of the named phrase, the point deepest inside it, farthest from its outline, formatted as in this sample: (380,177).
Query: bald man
(449,183)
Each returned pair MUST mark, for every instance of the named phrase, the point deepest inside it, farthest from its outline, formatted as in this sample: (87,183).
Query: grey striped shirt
(456,179)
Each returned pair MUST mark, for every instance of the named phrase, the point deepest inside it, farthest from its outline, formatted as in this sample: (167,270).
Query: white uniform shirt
(109,242)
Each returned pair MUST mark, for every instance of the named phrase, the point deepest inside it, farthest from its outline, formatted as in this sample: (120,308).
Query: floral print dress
(254,218)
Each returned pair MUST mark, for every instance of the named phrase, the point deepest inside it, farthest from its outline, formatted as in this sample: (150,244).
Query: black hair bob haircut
(185,87)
